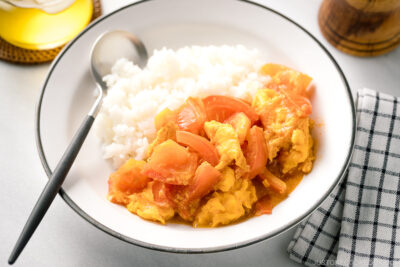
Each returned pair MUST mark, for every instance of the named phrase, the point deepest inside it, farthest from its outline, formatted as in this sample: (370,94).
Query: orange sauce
(292,182)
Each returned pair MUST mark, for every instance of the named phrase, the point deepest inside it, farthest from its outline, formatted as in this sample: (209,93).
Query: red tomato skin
(171,163)
(205,178)
(256,151)
(191,115)
(128,178)
(200,145)
(220,108)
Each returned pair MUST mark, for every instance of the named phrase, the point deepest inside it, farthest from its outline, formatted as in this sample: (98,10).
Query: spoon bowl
(111,46)
(108,48)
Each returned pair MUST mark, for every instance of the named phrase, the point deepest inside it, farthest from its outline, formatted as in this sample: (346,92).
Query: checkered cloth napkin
(359,223)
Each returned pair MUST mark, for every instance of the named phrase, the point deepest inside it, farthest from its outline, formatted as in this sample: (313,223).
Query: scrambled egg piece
(143,205)
(225,207)
(285,131)
(241,124)
(278,122)
(225,139)
(168,131)
(300,150)
(227,180)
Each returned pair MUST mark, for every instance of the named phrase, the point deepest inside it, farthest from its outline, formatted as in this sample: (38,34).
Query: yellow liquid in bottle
(35,29)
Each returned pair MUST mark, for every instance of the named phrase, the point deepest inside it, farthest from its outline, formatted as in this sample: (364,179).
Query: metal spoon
(107,49)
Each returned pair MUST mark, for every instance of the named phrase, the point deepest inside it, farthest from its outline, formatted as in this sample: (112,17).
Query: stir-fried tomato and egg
(217,159)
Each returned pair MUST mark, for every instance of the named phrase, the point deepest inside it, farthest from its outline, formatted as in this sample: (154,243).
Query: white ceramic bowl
(67,95)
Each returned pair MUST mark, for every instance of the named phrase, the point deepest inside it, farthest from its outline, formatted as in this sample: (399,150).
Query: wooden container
(361,27)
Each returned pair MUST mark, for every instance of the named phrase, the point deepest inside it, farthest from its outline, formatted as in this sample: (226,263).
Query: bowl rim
(139,243)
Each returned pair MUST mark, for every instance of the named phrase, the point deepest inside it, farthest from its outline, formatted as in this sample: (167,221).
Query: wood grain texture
(361,27)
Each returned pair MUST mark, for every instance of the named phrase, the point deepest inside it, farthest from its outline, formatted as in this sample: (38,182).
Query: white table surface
(64,238)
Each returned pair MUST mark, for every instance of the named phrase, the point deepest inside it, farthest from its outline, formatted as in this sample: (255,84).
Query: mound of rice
(125,124)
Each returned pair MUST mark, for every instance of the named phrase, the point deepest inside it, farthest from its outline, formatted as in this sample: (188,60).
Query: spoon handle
(52,187)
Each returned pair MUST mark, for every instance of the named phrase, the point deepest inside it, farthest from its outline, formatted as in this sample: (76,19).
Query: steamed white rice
(125,124)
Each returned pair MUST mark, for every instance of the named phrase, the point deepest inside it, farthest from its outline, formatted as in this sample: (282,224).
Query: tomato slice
(264,206)
(199,144)
(256,151)
(205,178)
(293,80)
(292,84)
(162,194)
(127,180)
(220,108)
(275,183)
(241,123)
(191,115)
(186,199)
(171,163)
(298,103)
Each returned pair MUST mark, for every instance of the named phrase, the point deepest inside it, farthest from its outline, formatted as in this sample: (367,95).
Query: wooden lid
(11,53)
(361,27)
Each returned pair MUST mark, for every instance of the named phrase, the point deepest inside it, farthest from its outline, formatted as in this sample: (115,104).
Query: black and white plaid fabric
(359,223)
